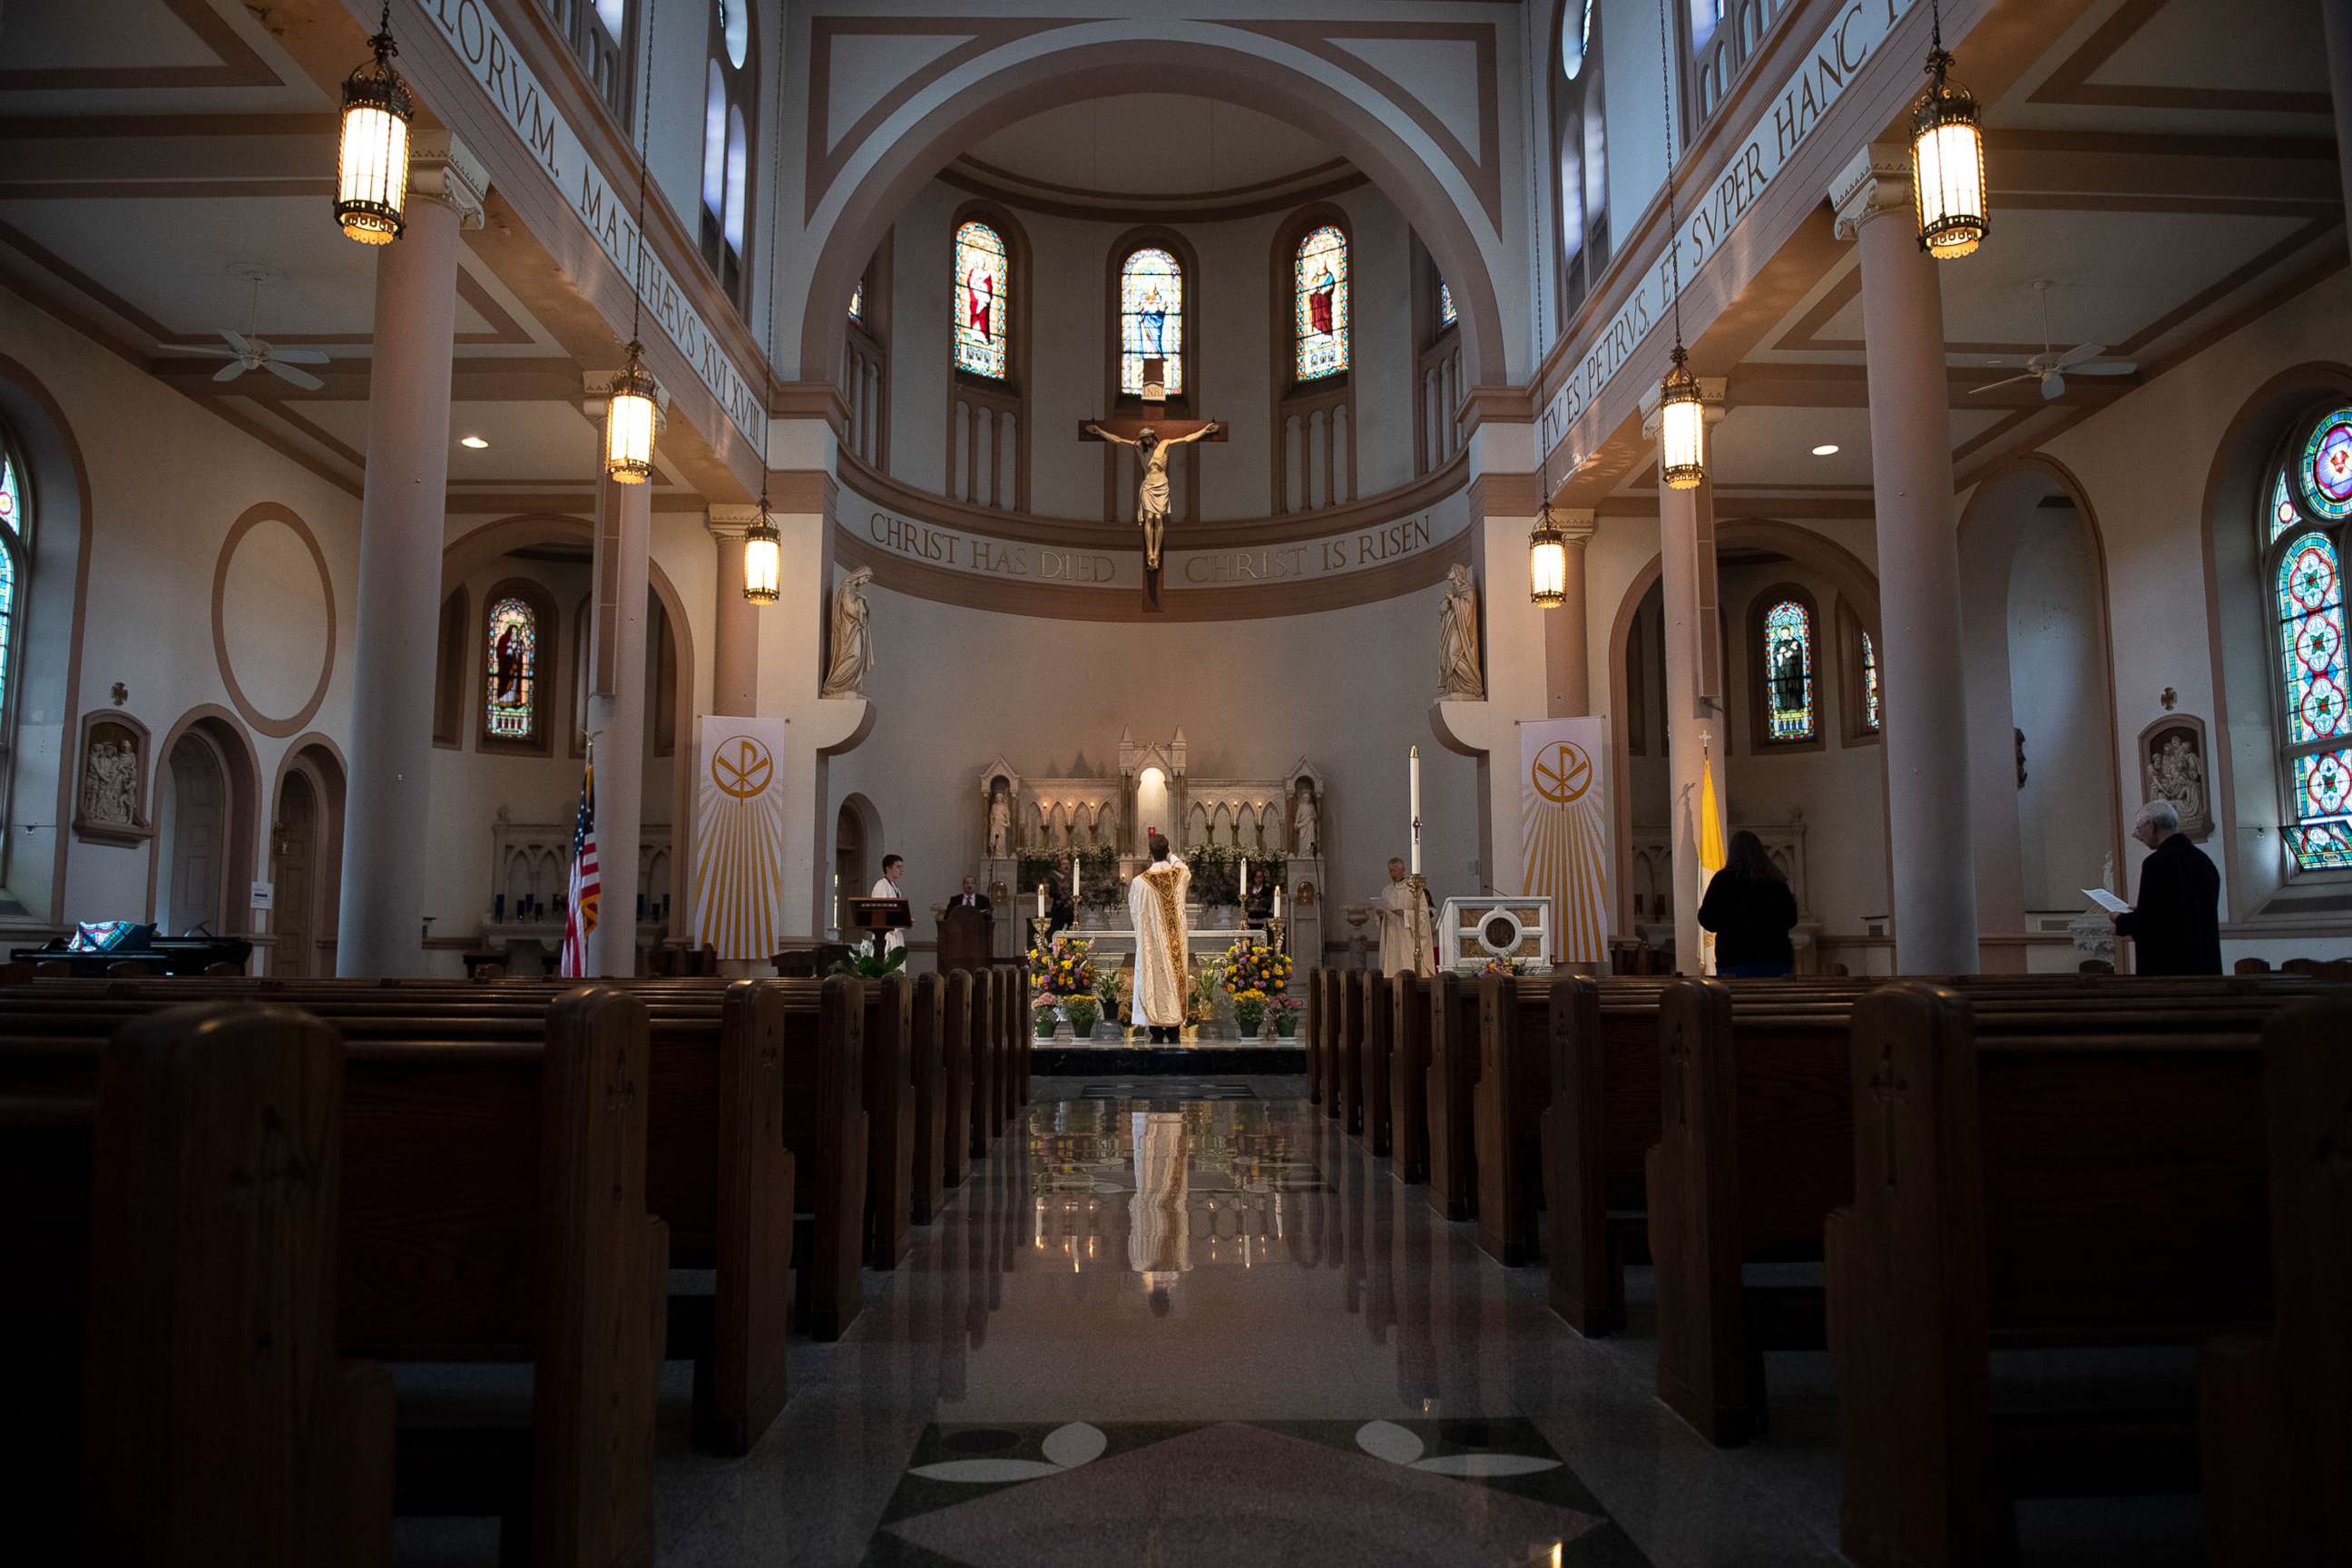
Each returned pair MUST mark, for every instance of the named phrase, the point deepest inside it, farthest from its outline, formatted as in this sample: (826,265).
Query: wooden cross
(1153,417)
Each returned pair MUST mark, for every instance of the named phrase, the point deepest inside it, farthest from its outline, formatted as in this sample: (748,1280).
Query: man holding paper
(2176,923)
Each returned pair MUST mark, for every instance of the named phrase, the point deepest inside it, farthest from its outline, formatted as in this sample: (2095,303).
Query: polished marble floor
(1189,1322)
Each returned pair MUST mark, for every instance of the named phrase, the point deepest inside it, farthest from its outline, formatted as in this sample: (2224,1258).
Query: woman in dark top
(1751,910)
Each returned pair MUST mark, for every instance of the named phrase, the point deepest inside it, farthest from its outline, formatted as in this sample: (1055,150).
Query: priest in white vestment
(1155,905)
(1404,920)
(887,887)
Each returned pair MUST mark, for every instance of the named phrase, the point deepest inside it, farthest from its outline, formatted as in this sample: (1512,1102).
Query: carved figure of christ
(1153,436)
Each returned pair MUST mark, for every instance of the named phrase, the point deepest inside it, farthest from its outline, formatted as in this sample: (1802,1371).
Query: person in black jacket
(2177,921)
(1751,910)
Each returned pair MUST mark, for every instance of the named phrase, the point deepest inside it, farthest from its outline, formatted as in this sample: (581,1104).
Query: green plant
(1044,1019)
(1082,1012)
(1249,1015)
(867,967)
(1286,1016)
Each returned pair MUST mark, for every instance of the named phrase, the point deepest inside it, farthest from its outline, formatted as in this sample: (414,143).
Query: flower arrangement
(1504,966)
(1249,966)
(1285,1011)
(1249,1013)
(1043,1016)
(1201,1000)
(1065,969)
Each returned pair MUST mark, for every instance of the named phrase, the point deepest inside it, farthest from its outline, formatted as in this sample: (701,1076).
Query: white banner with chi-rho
(739,835)
(1564,830)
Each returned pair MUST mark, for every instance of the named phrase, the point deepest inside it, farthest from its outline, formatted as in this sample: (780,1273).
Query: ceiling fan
(2051,368)
(245,351)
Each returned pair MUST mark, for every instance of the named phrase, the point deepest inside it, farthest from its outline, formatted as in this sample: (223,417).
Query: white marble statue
(2180,776)
(1305,827)
(110,783)
(1457,640)
(1000,826)
(853,647)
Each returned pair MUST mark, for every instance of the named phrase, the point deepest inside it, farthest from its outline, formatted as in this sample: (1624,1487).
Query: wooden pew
(1022,1040)
(1313,1031)
(888,1078)
(1597,1134)
(1509,1099)
(492,1208)
(1373,1032)
(926,1183)
(2074,1178)
(1350,1053)
(1335,1075)
(987,1024)
(1408,1015)
(173,1324)
(963,997)
(1452,1087)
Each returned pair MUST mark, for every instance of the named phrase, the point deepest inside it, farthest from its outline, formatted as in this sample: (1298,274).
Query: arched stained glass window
(857,303)
(16,533)
(984,306)
(2308,500)
(1871,719)
(1319,285)
(1447,314)
(510,672)
(1150,318)
(1788,664)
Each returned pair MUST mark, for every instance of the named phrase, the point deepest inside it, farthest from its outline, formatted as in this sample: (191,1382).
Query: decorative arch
(987,445)
(317,760)
(879,174)
(858,851)
(2303,507)
(1313,434)
(241,768)
(1118,463)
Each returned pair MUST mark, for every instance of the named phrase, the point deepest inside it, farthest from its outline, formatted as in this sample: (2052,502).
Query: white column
(1692,621)
(617,700)
(402,500)
(1568,630)
(1932,850)
(735,654)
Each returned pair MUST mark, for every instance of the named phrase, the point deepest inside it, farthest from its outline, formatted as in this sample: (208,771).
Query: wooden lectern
(967,938)
(877,918)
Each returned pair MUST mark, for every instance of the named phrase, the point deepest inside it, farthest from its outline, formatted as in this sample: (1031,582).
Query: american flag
(587,883)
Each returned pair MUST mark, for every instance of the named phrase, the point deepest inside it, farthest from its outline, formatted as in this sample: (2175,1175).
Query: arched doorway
(857,855)
(193,838)
(293,872)
(2043,794)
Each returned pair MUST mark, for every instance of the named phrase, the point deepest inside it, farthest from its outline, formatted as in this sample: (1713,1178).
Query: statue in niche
(2173,759)
(110,783)
(1000,824)
(853,648)
(1457,640)
(1306,829)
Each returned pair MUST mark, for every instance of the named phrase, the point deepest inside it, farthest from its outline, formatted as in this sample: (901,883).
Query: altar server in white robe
(1155,905)
(1403,918)
(887,887)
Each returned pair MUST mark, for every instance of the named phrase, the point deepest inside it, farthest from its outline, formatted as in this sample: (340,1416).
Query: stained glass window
(984,313)
(1447,314)
(12,496)
(857,303)
(1576,41)
(15,520)
(2327,467)
(1788,655)
(510,674)
(1319,280)
(1871,719)
(1150,318)
(2284,516)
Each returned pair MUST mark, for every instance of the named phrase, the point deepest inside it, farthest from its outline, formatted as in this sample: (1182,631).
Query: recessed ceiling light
(477,443)
(1826,449)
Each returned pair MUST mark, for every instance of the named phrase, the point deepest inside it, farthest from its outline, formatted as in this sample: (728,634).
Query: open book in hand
(2107,901)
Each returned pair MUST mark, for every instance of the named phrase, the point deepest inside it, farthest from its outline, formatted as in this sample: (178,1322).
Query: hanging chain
(645,138)
(1936,26)
(768,328)
(1667,104)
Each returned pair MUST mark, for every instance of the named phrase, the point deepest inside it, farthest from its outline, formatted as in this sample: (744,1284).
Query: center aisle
(1192,1323)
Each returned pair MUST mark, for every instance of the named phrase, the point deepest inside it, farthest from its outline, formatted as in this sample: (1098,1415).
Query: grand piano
(161,954)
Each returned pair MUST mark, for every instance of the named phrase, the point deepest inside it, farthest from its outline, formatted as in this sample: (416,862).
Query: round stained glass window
(2326,467)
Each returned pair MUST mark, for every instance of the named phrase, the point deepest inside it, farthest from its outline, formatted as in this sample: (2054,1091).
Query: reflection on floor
(1162,1329)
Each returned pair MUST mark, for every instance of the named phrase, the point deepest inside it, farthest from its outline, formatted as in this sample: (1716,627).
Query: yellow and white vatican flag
(1710,850)
(1564,830)
(739,835)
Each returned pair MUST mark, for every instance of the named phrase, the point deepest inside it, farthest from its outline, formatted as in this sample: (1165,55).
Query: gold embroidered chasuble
(1155,903)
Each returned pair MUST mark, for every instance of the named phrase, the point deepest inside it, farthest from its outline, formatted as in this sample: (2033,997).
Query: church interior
(872,782)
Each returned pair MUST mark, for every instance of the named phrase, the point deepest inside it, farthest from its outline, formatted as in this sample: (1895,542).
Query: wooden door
(293,867)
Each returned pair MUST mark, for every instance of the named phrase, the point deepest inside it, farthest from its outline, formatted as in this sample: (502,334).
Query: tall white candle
(1244,892)
(1416,810)
(1074,879)
(1041,901)
(1277,902)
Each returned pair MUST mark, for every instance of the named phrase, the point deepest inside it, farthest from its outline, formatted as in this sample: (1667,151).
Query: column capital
(728,521)
(1878,184)
(1576,524)
(442,169)
(1711,391)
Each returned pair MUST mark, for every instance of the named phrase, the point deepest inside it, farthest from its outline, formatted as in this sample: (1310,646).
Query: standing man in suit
(2177,921)
(969,899)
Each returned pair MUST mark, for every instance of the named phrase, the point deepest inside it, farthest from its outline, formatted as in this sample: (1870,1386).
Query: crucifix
(1153,436)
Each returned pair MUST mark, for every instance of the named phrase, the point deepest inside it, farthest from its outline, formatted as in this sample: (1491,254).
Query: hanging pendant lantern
(763,558)
(1681,426)
(1948,167)
(372,167)
(629,423)
(1547,562)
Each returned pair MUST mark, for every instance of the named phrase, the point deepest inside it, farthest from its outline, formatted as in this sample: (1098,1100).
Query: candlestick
(1037,932)
(1415,763)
